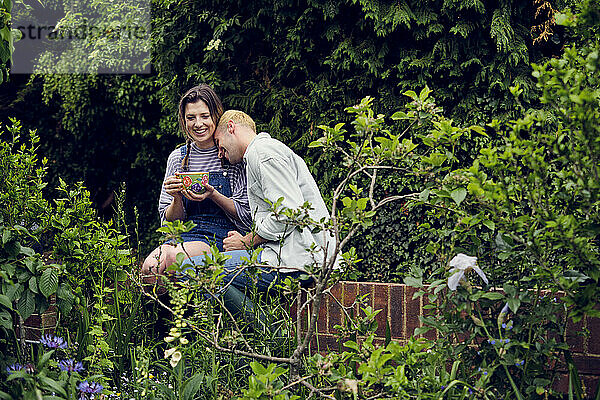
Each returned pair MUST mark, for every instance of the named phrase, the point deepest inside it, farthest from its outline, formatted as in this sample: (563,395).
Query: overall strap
(182,151)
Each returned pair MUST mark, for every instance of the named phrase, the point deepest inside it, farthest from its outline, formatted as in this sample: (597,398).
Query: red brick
(462,337)
(396,312)
(380,302)
(335,311)
(587,365)
(591,385)
(293,310)
(323,310)
(328,343)
(39,324)
(366,289)
(593,324)
(412,310)
(304,315)
(575,338)
(561,383)
(350,293)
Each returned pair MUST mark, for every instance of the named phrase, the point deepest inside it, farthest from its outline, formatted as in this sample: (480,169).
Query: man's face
(228,144)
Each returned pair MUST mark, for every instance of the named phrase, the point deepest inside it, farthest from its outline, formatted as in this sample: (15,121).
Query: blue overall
(212,224)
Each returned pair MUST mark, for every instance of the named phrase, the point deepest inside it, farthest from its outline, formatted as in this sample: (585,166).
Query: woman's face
(199,124)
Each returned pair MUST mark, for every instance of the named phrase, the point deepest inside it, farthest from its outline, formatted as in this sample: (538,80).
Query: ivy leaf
(48,282)
(458,195)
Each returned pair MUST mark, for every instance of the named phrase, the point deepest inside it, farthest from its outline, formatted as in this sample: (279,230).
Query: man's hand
(234,241)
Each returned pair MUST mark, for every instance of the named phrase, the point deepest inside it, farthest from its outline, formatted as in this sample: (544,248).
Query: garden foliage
(515,200)
(292,68)
(60,249)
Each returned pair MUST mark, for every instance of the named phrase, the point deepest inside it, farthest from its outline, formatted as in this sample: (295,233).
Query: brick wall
(401,312)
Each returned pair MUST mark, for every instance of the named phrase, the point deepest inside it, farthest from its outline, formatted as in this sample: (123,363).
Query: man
(273,171)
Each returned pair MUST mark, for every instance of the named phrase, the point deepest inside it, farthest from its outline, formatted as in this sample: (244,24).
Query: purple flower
(14,368)
(503,325)
(70,365)
(90,387)
(29,368)
(53,342)
(492,341)
(506,340)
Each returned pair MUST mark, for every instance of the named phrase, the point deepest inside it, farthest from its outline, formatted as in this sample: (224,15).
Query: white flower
(175,358)
(169,352)
(462,263)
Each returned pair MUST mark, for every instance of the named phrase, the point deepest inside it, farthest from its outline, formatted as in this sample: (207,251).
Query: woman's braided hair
(204,93)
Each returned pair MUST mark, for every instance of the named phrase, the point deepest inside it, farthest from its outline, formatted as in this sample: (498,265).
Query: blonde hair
(239,117)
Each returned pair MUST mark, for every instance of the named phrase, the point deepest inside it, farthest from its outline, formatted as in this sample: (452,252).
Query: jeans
(235,296)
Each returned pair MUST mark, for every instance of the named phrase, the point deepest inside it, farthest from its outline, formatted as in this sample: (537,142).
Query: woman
(223,207)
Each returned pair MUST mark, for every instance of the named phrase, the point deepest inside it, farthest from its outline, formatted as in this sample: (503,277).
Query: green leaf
(30,263)
(5,396)
(53,385)
(5,301)
(493,296)
(33,285)
(6,235)
(514,304)
(489,224)
(48,282)
(44,359)
(458,195)
(6,320)
(28,251)
(26,304)
(192,386)
(413,282)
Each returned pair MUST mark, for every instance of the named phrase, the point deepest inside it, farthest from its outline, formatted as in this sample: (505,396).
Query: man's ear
(230,126)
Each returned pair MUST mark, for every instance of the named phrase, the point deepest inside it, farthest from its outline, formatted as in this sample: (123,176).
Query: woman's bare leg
(163,256)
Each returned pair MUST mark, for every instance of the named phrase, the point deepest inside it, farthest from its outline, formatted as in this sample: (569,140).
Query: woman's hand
(174,186)
(208,193)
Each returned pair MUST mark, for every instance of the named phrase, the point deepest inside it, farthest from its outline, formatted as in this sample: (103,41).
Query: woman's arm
(174,187)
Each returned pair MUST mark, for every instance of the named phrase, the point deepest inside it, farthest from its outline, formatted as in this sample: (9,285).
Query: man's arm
(277,180)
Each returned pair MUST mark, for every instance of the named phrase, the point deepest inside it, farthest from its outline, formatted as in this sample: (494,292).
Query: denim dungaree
(212,224)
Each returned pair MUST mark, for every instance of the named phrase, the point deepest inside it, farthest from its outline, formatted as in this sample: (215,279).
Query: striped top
(207,160)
